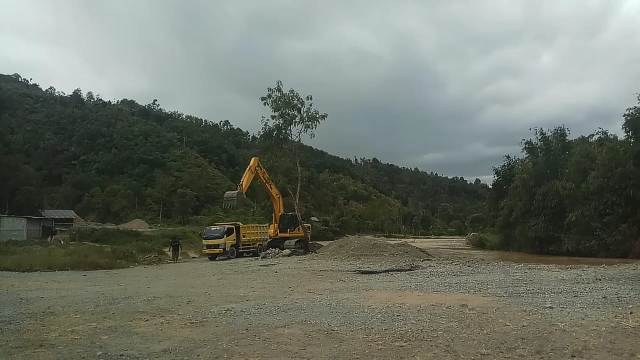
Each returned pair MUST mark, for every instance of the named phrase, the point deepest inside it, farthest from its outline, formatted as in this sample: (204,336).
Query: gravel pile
(153,259)
(135,224)
(364,247)
(275,253)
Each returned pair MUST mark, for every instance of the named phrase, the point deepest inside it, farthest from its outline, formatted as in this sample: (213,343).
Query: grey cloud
(445,86)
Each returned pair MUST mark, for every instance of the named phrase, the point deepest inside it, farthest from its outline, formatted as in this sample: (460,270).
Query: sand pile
(135,224)
(363,247)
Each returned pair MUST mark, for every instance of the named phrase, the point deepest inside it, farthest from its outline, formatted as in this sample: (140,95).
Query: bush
(458,227)
(70,257)
(324,233)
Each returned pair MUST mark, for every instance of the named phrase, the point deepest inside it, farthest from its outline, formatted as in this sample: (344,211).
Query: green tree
(631,127)
(576,197)
(476,222)
(292,117)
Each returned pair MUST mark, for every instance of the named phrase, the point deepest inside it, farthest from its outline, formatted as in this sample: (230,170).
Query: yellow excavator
(285,230)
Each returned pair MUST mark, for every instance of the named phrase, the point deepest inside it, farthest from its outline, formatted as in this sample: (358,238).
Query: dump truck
(286,230)
(234,239)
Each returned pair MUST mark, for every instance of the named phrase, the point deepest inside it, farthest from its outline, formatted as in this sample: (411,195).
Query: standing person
(176,247)
(52,236)
(48,231)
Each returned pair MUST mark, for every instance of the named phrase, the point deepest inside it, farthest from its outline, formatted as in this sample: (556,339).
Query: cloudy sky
(447,86)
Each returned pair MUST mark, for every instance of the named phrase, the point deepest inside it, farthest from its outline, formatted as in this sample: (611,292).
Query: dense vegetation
(576,197)
(114,161)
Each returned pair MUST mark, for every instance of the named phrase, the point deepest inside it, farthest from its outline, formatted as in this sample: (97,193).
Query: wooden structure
(21,228)
(63,219)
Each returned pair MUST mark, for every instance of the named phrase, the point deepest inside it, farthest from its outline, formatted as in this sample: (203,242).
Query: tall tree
(631,127)
(292,117)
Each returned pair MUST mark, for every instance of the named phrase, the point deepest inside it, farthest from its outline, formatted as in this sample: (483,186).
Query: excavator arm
(286,230)
(254,169)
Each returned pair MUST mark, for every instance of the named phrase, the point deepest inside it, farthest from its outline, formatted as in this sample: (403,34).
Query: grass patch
(487,240)
(68,257)
(93,249)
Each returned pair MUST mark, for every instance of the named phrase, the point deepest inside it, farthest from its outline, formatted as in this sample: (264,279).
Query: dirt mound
(135,224)
(362,247)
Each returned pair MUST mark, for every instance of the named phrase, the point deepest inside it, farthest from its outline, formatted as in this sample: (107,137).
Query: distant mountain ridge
(113,161)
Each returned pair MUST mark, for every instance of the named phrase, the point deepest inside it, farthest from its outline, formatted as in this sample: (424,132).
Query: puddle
(457,247)
(391,269)
(524,258)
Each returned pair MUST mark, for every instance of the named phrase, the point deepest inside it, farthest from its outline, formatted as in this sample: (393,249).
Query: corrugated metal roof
(59,214)
(23,217)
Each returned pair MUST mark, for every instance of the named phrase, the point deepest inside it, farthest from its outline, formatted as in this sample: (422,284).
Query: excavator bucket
(233,199)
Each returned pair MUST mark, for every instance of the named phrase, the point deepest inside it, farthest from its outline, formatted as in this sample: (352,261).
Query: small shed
(22,228)
(62,219)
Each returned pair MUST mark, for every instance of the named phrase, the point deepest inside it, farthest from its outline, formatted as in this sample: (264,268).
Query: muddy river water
(457,247)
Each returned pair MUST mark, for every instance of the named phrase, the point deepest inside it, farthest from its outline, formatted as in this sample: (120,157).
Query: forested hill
(114,161)
(568,196)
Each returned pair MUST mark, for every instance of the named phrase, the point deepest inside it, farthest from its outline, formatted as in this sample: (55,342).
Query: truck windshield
(213,232)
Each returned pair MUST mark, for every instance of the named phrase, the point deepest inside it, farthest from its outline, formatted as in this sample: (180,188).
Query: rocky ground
(453,305)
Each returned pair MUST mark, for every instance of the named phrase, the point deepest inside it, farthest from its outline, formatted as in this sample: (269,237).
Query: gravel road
(313,307)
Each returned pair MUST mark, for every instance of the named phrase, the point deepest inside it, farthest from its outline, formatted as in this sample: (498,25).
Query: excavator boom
(286,229)
(233,199)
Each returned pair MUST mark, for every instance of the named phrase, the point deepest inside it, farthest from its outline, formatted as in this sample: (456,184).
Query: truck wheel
(231,253)
(212,257)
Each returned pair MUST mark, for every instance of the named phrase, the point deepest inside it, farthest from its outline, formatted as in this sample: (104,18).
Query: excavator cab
(288,222)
